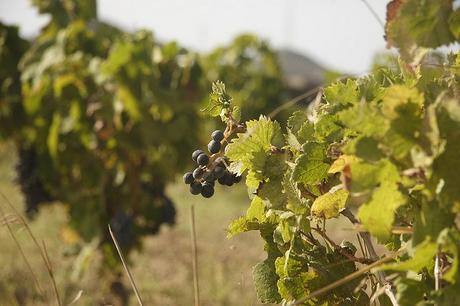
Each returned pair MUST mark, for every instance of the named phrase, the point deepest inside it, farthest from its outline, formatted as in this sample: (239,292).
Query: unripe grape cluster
(210,169)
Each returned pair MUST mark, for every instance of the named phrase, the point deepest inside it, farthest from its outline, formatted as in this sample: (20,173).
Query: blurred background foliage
(103,119)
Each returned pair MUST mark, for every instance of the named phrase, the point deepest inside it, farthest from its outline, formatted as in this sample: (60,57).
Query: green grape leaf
(293,277)
(330,204)
(378,214)
(410,291)
(328,129)
(272,190)
(219,100)
(444,176)
(236,113)
(285,230)
(292,141)
(366,176)
(295,201)
(242,225)
(365,119)
(255,219)
(342,93)
(256,210)
(430,221)
(260,136)
(310,167)
(364,147)
(306,132)
(423,258)
(403,106)
(265,280)
(296,121)
(288,267)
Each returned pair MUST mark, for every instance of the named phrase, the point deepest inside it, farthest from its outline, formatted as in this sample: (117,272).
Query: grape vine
(381,152)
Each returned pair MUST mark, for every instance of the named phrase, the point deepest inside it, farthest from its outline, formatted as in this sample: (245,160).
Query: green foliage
(108,124)
(385,145)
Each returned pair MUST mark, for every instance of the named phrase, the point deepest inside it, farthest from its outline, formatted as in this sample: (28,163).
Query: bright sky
(340,34)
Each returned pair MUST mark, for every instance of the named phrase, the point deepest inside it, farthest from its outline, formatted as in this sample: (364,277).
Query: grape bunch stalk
(210,168)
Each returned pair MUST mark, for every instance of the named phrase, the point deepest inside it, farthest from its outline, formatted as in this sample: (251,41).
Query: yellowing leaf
(53,135)
(341,162)
(330,204)
(399,96)
(129,102)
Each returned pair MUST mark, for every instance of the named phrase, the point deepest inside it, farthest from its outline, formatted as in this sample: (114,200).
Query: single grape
(226,179)
(229,179)
(195,154)
(202,159)
(218,172)
(222,179)
(195,188)
(217,135)
(207,190)
(188,178)
(214,146)
(237,179)
(198,173)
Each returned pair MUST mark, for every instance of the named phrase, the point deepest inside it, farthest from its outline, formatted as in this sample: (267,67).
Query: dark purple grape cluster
(209,169)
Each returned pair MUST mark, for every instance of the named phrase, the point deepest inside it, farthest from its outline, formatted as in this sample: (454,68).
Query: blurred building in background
(300,73)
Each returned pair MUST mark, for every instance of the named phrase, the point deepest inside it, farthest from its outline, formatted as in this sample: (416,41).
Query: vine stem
(341,251)
(373,256)
(195,256)
(128,272)
(374,13)
(437,273)
(312,92)
(294,101)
